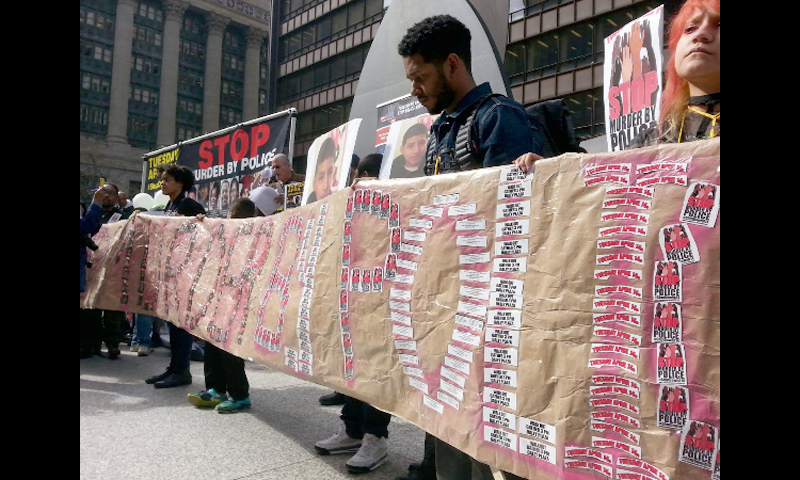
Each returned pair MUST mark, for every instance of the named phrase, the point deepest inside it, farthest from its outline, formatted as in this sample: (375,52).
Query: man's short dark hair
(243,208)
(326,150)
(181,173)
(434,38)
(371,165)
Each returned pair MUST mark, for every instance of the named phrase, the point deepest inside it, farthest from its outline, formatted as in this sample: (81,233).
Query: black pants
(97,326)
(360,418)
(224,372)
(180,345)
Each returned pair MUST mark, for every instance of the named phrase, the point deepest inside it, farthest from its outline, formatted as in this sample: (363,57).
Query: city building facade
(154,73)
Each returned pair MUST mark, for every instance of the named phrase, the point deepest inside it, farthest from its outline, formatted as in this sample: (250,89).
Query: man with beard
(437,58)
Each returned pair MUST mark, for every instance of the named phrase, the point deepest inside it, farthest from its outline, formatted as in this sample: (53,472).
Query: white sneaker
(340,442)
(372,454)
(134,347)
(144,351)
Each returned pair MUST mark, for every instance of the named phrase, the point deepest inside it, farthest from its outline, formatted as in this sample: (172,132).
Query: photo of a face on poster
(406,144)
(328,162)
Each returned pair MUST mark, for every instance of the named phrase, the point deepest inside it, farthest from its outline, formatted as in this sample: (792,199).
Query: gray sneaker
(340,442)
(372,454)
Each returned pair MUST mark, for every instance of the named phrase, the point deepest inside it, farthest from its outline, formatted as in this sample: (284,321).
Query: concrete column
(215,27)
(121,73)
(168,92)
(252,72)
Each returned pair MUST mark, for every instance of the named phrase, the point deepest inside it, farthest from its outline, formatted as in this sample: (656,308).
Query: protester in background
(353,165)
(90,224)
(224,372)
(690,104)
(105,326)
(437,59)
(125,204)
(284,175)
(364,428)
(176,180)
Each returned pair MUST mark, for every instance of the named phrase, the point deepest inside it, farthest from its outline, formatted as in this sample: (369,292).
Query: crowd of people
(437,60)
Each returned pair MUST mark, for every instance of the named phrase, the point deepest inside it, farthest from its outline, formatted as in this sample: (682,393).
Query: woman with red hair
(691,99)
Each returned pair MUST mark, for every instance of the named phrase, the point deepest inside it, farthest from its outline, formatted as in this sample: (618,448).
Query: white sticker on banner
(608,258)
(456,364)
(473,292)
(506,356)
(515,209)
(409,248)
(413,371)
(431,211)
(514,190)
(399,317)
(505,318)
(419,385)
(501,376)
(452,389)
(535,428)
(512,264)
(407,279)
(471,241)
(448,399)
(538,450)
(504,336)
(681,180)
(511,247)
(638,190)
(642,218)
(469,322)
(402,331)
(414,236)
(459,352)
(453,377)
(472,309)
(473,258)
(505,300)
(402,306)
(611,332)
(467,338)
(406,345)
(510,174)
(500,397)
(613,178)
(507,285)
(431,403)
(514,227)
(400,294)
(445,199)
(622,229)
(407,264)
(420,223)
(407,358)
(473,276)
(631,245)
(499,418)
(607,168)
(500,437)
(466,209)
(600,348)
(701,204)
(639,203)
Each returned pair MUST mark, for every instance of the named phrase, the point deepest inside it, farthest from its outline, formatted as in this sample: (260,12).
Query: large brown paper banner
(560,325)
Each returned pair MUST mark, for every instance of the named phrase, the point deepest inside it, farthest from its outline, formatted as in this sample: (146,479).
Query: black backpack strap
(466,148)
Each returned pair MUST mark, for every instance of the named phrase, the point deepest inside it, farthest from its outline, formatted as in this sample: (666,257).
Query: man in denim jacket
(437,59)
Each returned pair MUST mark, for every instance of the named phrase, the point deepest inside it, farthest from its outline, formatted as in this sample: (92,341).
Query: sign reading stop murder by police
(226,164)
(632,78)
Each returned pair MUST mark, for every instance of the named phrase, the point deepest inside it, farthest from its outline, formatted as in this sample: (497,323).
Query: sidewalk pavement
(130,430)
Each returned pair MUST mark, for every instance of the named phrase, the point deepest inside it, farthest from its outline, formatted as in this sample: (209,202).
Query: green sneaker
(231,405)
(207,398)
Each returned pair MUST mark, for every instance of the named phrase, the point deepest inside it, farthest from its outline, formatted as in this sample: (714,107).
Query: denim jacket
(503,133)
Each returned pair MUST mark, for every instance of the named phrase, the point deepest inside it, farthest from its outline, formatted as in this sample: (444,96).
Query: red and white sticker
(677,244)
(701,205)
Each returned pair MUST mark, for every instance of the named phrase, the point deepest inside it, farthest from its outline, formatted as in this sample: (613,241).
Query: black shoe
(334,398)
(113,352)
(175,380)
(416,475)
(158,378)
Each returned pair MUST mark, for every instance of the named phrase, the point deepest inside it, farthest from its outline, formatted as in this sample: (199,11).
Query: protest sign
(495,318)
(632,72)
(227,164)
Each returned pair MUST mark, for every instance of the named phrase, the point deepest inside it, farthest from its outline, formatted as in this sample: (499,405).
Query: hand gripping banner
(557,325)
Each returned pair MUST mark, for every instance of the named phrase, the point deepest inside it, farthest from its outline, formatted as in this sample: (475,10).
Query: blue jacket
(503,131)
(90,224)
